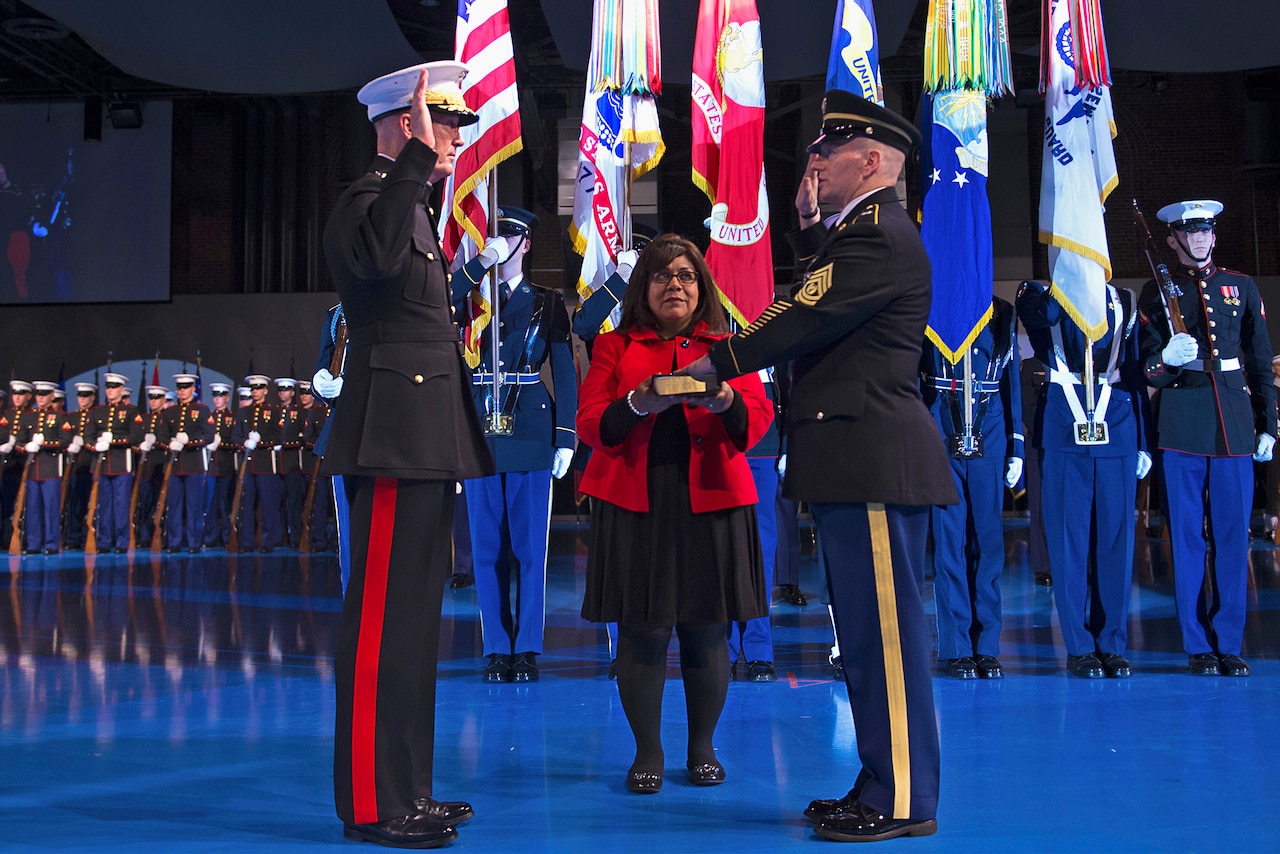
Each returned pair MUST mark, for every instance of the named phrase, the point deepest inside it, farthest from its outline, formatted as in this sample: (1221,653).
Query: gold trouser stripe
(891,642)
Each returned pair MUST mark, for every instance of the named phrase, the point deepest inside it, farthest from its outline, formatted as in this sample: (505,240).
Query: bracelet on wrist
(631,405)
(809,215)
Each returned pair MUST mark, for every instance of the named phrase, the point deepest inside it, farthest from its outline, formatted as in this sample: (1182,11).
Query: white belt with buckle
(1213,365)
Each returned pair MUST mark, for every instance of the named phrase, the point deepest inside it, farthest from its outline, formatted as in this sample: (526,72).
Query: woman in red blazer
(673,539)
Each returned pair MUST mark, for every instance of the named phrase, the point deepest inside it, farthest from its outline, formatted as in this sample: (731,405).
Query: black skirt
(671,565)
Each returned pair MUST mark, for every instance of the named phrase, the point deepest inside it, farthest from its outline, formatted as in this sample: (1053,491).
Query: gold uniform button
(1213,323)
(821,415)
(431,256)
(1209,309)
(417,379)
(1215,351)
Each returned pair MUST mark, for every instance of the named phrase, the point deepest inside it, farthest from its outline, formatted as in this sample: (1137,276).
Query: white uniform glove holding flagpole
(1144,464)
(1265,443)
(1012,471)
(560,465)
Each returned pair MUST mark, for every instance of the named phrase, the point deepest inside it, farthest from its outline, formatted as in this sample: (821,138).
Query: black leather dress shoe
(525,668)
(121,551)
(1085,666)
(644,782)
(792,595)
(860,823)
(411,831)
(706,773)
(1232,665)
(820,808)
(499,669)
(1116,665)
(837,667)
(761,671)
(1204,664)
(1044,579)
(450,812)
(461,581)
(962,668)
(51,551)
(988,667)
(195,550)
(266,550)
(171,550)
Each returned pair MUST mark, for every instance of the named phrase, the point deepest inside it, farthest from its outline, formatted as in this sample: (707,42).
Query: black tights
(642,673)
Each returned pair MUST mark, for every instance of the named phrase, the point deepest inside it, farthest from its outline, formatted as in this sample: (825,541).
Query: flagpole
(497,423)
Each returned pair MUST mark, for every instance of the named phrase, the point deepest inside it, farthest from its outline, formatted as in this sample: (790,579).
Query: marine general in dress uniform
(863,452)
(405,432)
(1215,408)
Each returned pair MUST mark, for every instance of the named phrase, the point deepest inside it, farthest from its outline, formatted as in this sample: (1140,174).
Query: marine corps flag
(854,63)
(1079,170)
(728,153)
(619,139)
(482,41)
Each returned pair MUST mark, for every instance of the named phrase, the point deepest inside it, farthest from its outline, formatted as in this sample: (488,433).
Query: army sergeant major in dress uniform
(864,453)
(405,433)
(510,512)
(1215,407)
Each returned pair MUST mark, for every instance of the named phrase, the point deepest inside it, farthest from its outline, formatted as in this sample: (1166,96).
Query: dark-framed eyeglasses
(684,277)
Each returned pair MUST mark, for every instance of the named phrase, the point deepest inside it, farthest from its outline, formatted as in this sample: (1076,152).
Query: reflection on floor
(185,704)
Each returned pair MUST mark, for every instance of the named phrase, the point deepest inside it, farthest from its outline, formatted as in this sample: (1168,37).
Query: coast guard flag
(728,153)
(956,218)
(482,41)
(854,63)
(619,136)
(1079,173)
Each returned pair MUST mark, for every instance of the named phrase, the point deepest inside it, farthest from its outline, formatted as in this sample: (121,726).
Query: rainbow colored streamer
(626,55)
(966,46)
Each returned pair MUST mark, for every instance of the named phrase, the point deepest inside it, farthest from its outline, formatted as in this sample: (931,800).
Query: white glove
(33,447)
(326,384)
(76,443)
(252,441)
(217,440)
(38,438)
(8,446)
(103,444)
(782,465)
(560,465)
(278,448)
(1012,471)
(175,445)
(1265,443)
(1144,464)
(148,442)
(183,437)
(626,263)
(1182,348)
(496,251)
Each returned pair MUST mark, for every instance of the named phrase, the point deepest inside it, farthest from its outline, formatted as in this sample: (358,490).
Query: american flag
(483,42)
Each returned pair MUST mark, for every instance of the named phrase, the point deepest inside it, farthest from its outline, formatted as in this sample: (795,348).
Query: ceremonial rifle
(337,362)
(233,541)
(91,537)
(1169,292)
(19,508)
(133,499)
(157,519)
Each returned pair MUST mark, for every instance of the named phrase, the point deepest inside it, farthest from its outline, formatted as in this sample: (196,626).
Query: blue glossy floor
(184,704)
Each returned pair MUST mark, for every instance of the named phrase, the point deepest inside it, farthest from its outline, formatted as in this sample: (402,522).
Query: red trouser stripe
(364,713)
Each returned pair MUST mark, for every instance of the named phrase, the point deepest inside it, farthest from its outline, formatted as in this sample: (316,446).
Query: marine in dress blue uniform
(863,452)
(509,512)
(186,429)
(12,458)
(1215,409)
(968,538)
(45,433)
(327,388)
(1089,488)
(293,475)
(258,431)
(79,470)
(222,468)
(405,432)
(114,431)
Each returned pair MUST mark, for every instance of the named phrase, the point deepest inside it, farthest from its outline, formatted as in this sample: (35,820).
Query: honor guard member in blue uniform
(1215,408)
(863,452)
(986,448)
(114,430)
(1090,465)
(292,474)
(186,430)
(44,433)
(315,415)
(12,458)
(258,431)
(327,388)
(531,435)
(404,434)
(222,468)
(80,470)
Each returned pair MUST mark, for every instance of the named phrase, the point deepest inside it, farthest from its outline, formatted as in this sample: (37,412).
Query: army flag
(728,153)
(482,41)
(854,62)
(956,218)
(1077,176)
(619,139)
